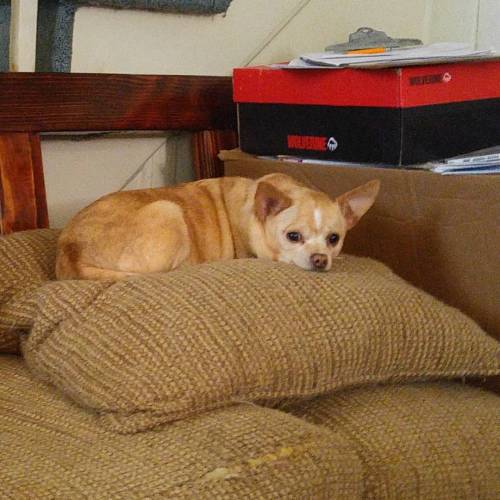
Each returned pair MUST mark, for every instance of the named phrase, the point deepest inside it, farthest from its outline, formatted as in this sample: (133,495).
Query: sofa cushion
(157,348)
(26,261)
(433,440)
(51,449)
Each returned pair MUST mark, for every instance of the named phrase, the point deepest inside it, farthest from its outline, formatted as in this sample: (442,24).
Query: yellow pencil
(373,50)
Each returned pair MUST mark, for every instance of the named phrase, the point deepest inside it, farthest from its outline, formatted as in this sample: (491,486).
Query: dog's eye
(333,239)
(294,236)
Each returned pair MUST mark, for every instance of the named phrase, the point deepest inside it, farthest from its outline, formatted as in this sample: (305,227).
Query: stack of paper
(422,54)
(485,161)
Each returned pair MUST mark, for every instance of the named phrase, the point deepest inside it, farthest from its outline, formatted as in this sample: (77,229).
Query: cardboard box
(395,116)
(440,233)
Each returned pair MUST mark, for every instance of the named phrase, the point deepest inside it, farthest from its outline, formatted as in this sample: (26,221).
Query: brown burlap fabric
(26,261)
(427,441)
(49,448)
(155,349)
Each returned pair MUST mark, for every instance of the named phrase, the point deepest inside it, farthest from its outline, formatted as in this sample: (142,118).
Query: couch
(160,388)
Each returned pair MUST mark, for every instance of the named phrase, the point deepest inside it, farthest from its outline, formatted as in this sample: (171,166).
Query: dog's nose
(319,260)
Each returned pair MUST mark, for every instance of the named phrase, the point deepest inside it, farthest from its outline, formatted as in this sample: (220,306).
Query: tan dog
(155,230)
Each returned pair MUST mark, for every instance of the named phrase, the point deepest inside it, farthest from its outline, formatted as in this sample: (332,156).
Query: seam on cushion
(194,411)
(25,298)
(57,324)
(375,379)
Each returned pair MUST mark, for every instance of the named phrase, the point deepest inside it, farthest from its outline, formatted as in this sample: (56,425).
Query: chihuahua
(156,230)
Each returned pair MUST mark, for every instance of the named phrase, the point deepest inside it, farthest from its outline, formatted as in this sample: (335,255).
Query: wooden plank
(42,214)
(22,190)
(52,102)
(206,147)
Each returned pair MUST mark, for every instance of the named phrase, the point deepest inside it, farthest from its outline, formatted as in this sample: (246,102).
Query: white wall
(261,31)
(77,172)
(252,32)
(488,31)
(148,42)
(452,20)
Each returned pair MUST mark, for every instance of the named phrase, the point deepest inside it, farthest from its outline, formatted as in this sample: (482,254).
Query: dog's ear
(269,200)
(354,204)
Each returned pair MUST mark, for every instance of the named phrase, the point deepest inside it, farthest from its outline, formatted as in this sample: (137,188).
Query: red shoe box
(395,116)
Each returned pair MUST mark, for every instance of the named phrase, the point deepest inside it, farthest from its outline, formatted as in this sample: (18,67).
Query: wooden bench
(34,103)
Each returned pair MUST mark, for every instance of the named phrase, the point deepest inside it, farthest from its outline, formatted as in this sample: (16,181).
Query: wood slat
(53,102)
(22,188)
(206,147)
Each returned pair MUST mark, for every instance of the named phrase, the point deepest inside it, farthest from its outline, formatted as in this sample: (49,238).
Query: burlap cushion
(26,261)
(49,448)
(154,349)
(432,440)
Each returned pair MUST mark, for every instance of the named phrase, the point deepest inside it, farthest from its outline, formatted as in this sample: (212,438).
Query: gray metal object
(368,38)
(56,19)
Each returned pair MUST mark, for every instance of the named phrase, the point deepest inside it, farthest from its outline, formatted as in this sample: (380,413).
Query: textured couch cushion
(432,440)
(26,261)
(51,449)
(154,349)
